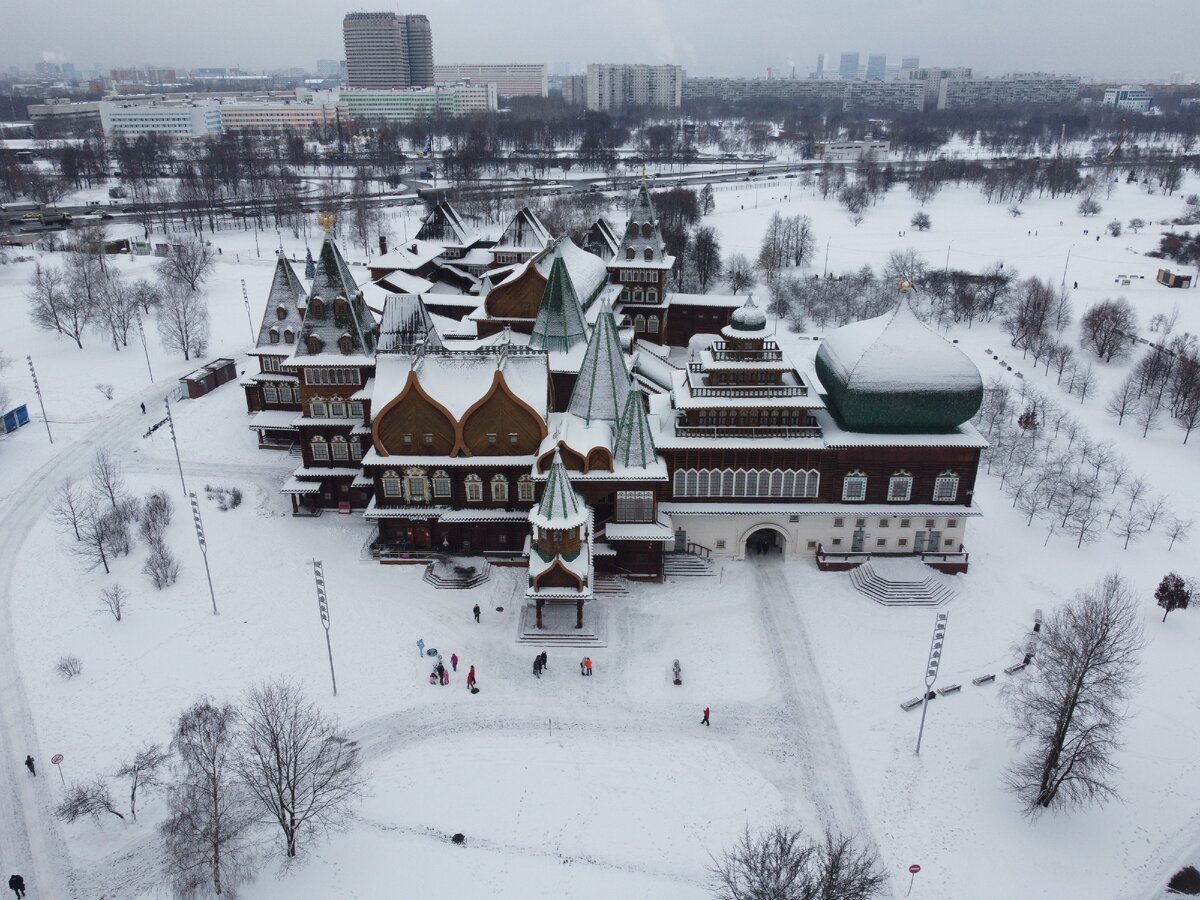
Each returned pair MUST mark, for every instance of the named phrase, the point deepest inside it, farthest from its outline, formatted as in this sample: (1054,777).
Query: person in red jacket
(704,721)
(471,678)
(454,662)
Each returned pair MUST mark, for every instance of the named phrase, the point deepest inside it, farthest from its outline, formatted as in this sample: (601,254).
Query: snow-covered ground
(586,787)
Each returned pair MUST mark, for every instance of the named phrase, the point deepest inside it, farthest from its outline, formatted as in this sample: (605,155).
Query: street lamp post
(825,273)
(323,606)
(175,442)
(1067,263)
(145,349)
(38,390)
(931,669)
(946,268)
(203,548)
(246,303)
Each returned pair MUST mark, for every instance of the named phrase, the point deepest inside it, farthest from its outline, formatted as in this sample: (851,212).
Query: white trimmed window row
(644,276)
(416,486)
(282,393)
(339,449)
(746,482)
(641,324)
(900,484)
(332,376)
(335,408)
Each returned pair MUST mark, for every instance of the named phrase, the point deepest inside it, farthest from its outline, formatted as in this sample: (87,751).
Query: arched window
(633,229)
(690,489)
(647,229)
(651,295)
(337,408)
(345,344)
(945,488)
(281,312)
(474,488)
(639,323)
(648,254)
(274,333)
(702,483)
(652,325)
(314,344)
(341,450)
(289,336)
(499,488)
(318,408)
(320,449)
(900,486)
(630,253)
(441,484)
(392,485)
(525,489)
(777,483)
(341,307)
(316,307)
(418,486)
(727,483)
(637,295)
(680,483)
(854,486)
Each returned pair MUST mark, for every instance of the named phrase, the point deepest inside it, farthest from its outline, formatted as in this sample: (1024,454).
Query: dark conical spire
(560,506)
(602,389)
(634,446)
(559,324)
(287,294)
(641,231)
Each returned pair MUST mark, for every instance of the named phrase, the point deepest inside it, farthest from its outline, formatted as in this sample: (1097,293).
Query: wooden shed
(209,377)
(1173,280)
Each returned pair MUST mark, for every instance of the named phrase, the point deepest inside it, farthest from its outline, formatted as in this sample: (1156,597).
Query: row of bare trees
(1165,381)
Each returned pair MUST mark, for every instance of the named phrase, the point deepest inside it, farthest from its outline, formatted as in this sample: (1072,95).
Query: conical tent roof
(287,293)
(634,446)
(602,389)
(641,220)
(560,506)
(559,324)
(334,279)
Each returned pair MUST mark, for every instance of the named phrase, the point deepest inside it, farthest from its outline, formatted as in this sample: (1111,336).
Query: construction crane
(1115,152)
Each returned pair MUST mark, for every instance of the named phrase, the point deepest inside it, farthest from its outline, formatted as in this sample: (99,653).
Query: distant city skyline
(700,35)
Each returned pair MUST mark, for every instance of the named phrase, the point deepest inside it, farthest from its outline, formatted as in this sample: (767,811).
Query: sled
(474,690)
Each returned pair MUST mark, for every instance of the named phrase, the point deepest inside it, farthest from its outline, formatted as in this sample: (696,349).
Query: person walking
(441,670)
(454,661)
(545,660)
(471,678)
(537,665)
(476,611)
(704,721)
(420,646)
(445,678)
(17,885)
(583,666)
(587,665)
(143,409)
(30,766)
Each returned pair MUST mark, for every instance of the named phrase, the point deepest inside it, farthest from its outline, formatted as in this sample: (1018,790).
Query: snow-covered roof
(334,281)
(726,301)
(273,419)
(524,232)
(282,312)
(588,272)
(405,324)
(837,437)
(634,446)
(603,385)
(445,226)
(559,324)
(641,233)
(560,506)
(372,459)
(408,257)
(849,510)
(658,530)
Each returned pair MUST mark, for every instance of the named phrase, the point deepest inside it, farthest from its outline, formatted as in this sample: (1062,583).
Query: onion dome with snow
(747,321)
(893,374)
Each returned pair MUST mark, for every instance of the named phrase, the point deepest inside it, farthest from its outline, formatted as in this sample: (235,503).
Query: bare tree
(94,536)
(189,263)
(115,309)
(1070,706)
(1131,524)
(208,830)
(1085,380)
(706,256)
(1109,328)
(156,516)
(106,479)
(89,799)
(67,505)
(740,273)
(1147,413)
(782,863)
(161,566)
(114,599)
(1123,399)
(183,320)
(47,298)
(144,771)
(1178,530)
(292,760)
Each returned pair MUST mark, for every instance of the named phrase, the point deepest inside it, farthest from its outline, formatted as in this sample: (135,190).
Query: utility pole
(946,268)
(174,440)
(825,273)
(142,331)
(246,303)
(38,390)
(1067,263)
(203,548)
(931,668)
(323,606)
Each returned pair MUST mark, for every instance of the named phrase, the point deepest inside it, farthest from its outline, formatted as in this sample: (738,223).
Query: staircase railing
(698,550)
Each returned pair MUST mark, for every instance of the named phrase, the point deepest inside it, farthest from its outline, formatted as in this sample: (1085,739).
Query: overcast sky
(1104,39)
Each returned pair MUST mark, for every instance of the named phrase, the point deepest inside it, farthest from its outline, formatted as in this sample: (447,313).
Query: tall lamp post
(203,548)
(1067,263)
(37,389)
(931,669)
(323,606)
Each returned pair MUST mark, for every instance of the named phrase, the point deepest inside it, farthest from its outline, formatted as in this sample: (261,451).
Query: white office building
(1129,96)
(442,100)
(510,80)
(182,118)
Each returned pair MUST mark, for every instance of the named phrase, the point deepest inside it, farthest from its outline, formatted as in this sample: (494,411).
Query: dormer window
(341,307)
(630,253)
(647,229)
(314,344)
(633,229)
(648,254)
(281,312)
(274,335)
(289,336)
(316,307)
(345,344)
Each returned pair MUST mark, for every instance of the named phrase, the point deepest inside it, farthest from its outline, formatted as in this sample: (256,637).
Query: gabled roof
(287,293)
(588,272)
(602,389)
(524,232)
(445,226)
(406,324)
(641,213)
(559,324)
(560,506)
(333,281)
(601,239)
(634,446)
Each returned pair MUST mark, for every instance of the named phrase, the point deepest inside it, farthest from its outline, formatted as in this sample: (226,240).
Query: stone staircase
(558,620)
(606,584)
(902,582)
(677,565)
(445,578)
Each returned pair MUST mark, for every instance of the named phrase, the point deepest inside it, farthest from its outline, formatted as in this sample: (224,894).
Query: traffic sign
(914,868)
(56,758)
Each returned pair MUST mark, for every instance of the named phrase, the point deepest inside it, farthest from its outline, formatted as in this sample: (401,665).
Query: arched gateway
(765,541)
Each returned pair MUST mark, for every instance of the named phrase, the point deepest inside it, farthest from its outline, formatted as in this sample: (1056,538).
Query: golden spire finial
(905,285)
(325,220)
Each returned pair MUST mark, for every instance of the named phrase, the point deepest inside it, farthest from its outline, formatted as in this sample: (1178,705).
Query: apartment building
(179,118)
(306,109)
(385,50)
(419,103)
(517,80)
(616,86)
(1024,89)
